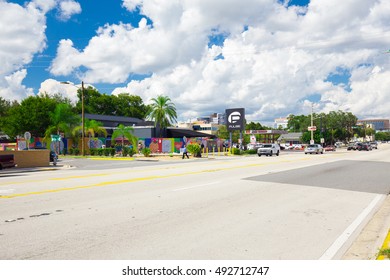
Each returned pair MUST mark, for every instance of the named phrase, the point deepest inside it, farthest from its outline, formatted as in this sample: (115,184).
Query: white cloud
(68,8)
(22,36)
(17,51)
(11,87)
(272,58)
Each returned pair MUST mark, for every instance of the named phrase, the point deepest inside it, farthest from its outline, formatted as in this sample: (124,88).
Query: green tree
(125,131)
(130,106)
(91,127)
(162,111)
(31,115)
(63,119)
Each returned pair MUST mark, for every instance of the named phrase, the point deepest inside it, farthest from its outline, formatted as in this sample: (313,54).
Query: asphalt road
(294,206)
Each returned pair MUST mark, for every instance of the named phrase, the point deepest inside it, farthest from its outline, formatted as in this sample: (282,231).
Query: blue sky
(272,57)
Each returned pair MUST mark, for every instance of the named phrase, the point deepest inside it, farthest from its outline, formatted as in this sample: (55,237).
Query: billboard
(235,119)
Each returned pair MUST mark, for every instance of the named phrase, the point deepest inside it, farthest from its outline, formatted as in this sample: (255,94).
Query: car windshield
(312,146)
(267,146)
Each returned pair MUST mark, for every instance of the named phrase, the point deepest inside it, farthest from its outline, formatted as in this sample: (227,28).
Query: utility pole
(82,119)
(311,123)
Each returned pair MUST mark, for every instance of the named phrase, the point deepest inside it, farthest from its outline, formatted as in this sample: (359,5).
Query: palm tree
(125,131)
(62,120)
(162,111)
(91,127)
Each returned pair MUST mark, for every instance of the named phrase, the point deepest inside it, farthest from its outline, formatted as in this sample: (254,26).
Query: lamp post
(82,116)
(82,120)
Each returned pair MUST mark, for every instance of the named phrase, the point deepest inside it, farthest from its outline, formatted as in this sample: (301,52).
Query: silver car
(314,149)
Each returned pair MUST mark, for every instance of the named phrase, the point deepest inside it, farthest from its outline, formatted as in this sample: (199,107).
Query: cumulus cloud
(17,51)
(11,86)
(22,36)
(272,59)
(264,55)
(52,87)
(68,8)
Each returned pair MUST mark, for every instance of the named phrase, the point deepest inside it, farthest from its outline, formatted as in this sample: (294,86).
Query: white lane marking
(7,191)
(196,186)
(340,241)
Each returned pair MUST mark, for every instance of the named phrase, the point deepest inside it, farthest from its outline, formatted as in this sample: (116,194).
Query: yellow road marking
(134,179)
(386,245)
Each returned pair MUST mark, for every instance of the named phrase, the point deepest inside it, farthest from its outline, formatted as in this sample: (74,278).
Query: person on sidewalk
(185,153)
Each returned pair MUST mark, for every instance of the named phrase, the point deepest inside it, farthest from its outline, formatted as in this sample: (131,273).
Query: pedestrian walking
(185,153)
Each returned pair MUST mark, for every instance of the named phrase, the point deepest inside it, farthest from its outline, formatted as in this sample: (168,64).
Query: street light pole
(311,123)
(82,120)
(82,115)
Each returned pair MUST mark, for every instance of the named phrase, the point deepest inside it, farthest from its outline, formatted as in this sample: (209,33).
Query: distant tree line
(332,127)
(42,114)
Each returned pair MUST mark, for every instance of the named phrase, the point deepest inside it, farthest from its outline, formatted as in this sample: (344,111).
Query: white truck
(269,150)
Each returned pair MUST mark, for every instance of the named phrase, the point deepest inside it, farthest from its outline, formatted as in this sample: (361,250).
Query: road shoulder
(370,240)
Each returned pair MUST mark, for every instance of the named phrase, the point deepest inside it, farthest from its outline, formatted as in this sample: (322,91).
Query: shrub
(93,151)
(236,151)
(76,151)
(250,152)
(112,151)
(106,152)
(194,149)
(132,151)
(71,151)
(100,152)
(125,151)
(145,152)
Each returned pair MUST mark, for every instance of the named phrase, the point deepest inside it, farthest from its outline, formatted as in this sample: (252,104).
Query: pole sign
(235,119)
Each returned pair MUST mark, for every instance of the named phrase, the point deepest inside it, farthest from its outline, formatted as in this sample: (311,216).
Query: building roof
(290,136)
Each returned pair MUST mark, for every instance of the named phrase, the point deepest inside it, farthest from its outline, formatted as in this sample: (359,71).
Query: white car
(268,150)
(314,149)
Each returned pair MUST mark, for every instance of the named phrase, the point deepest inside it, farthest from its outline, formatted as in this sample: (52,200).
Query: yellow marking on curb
(386,245)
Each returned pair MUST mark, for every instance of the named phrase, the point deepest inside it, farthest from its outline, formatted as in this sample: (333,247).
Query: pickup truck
(268,150)
(7,161)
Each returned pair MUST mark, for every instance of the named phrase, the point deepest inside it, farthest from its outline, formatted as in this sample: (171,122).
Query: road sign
(55,138)
(312,128)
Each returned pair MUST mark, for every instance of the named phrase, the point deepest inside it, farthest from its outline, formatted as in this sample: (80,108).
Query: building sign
(235,119)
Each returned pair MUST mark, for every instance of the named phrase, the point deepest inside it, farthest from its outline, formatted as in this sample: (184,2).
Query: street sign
(235,119)
(55,138)
(322,141)
(312,128)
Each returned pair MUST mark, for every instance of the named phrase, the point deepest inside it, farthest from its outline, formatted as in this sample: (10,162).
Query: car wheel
(259,155)
(322,152)
(270,154)
(277,153)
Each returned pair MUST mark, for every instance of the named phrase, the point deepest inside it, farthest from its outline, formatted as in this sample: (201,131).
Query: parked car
(7,161)
(314,149)
(363,147)
(352,146)
(268,150)
(374,145)
(330,148)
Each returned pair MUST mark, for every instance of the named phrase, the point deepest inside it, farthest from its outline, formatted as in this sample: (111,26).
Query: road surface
(291,207)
